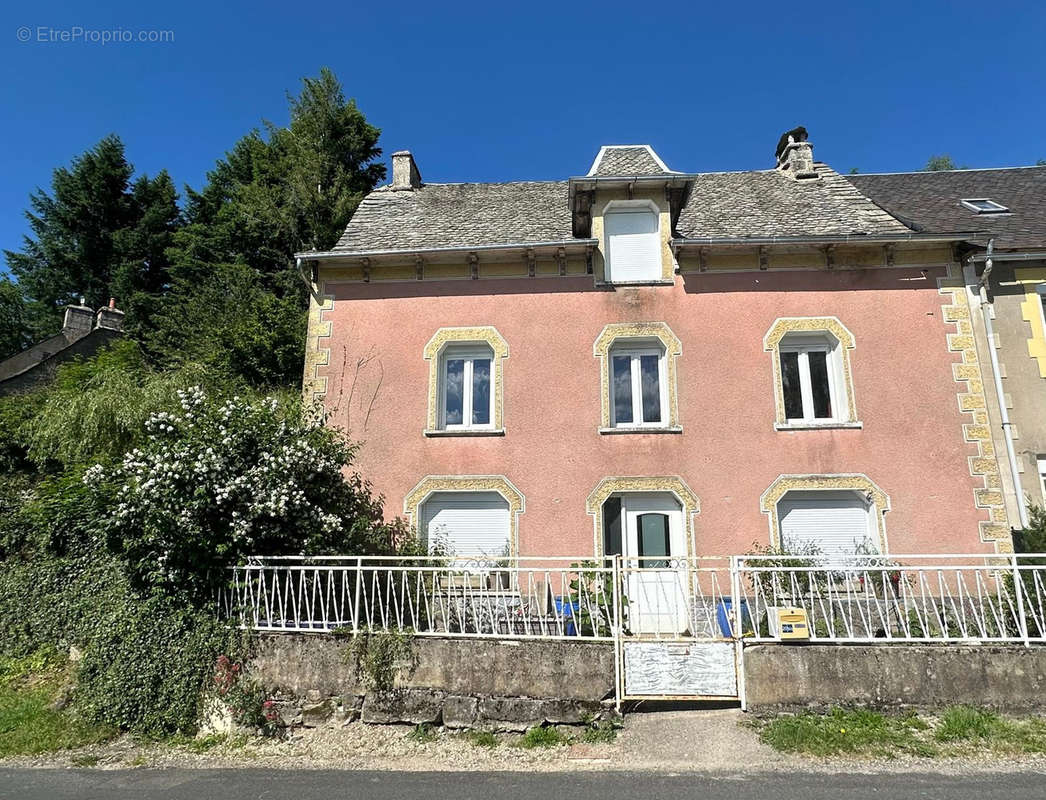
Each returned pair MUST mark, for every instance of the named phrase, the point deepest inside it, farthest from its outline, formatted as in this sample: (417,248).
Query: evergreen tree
(14,322)
(95,235)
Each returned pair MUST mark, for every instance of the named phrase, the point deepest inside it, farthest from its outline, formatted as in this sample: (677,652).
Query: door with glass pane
(655,562)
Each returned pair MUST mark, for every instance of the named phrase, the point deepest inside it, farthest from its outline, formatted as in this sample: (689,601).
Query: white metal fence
(911,598)
(869,599)
(521,598)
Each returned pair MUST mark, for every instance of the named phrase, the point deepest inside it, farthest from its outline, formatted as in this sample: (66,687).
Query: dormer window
(633,242)
(982,205)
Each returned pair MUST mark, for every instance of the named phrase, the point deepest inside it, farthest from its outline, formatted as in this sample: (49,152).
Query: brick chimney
(795,155)
(109,317)
(405,175)
(79,320)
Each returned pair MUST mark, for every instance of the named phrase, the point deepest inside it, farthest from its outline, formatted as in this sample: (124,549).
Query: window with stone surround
(638,378)
(812,380)
(466,382)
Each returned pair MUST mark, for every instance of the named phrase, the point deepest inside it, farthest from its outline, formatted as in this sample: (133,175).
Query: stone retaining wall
(892,676)
(459,683)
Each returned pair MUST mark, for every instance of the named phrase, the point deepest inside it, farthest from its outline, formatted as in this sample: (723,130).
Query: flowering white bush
(216,482)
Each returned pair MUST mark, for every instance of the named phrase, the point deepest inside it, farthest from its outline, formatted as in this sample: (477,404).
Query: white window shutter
(469,523)
(633,245)
(836,522)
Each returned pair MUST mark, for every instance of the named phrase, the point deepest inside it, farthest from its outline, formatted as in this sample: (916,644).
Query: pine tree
(95,235)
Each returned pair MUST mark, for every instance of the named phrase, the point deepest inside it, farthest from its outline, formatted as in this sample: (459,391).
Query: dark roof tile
(930,201)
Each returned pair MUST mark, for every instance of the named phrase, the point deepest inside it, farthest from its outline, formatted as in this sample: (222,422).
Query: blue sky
(503,91)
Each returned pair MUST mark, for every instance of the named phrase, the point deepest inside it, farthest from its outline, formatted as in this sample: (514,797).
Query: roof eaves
(332,254)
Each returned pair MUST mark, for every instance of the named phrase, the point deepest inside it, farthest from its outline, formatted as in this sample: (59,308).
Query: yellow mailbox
(788,622)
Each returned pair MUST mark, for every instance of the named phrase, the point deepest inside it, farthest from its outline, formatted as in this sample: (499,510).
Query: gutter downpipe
(1003,413)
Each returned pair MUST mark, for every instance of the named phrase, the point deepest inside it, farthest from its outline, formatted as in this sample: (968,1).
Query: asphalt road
(259,784)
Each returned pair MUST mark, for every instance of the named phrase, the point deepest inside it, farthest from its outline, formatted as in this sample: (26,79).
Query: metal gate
(676,635)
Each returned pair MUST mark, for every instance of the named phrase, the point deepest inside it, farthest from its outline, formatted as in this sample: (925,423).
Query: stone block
(460,711)
(404,706)
(568,712)
(510,713)
(313,715)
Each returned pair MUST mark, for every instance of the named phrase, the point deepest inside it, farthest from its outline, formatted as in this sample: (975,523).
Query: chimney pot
(795,155)
(110,317)
(405,174)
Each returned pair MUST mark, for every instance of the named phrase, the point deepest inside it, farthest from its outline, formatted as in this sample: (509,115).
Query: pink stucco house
(657,363)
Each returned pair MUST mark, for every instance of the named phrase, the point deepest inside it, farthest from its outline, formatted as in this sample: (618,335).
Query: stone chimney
(79,320)
(795,155)
(109,317)
(405,175)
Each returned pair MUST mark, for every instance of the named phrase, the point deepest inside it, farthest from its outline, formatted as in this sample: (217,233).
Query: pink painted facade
(911,443)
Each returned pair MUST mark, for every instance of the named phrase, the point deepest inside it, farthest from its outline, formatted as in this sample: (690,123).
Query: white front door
(655,563)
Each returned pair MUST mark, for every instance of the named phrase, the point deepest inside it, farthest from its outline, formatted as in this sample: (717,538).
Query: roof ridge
(947,171)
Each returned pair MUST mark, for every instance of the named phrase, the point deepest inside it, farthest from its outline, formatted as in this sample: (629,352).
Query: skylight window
(982,205)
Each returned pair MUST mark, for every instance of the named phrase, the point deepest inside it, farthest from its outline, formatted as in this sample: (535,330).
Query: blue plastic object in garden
(725,615)
(568,611)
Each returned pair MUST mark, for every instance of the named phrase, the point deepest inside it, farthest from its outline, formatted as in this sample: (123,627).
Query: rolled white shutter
(634,245)
(469,523)
(836,522)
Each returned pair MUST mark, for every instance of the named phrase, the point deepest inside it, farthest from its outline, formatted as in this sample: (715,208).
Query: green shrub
(218,481)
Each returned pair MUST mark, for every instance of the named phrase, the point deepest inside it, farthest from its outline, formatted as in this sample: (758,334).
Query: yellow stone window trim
(479,335)
(430,484)
(830,326)
(1031,311)
(622,333)
(850,482)
(317,345)
(972,401)
(671,484)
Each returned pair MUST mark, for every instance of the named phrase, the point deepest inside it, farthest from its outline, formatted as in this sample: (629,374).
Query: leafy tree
(96,409)
(941,163)
(95,234)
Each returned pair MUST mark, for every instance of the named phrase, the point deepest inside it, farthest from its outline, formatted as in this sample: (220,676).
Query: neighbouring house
(660,363)
(1005,279)
(84,332)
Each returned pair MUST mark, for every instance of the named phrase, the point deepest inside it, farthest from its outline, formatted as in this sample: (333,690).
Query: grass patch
(542,737)
(482,739)
(846,732)
(30,722)
(966,723)
(957,731)
(422,733)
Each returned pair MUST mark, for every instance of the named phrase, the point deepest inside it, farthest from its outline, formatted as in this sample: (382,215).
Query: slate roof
(768,203)
(627,160)
(451,215)
(760,204)
(929,201)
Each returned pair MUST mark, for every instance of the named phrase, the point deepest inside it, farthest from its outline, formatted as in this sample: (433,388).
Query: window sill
(435,434)
(817,426)
(614,431)
(627,284)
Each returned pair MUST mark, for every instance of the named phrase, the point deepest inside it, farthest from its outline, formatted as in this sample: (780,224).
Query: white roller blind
(469,523)
(633,244)
(837,522)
